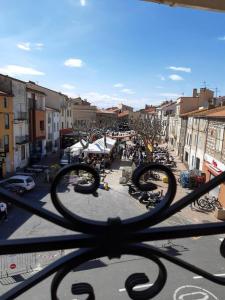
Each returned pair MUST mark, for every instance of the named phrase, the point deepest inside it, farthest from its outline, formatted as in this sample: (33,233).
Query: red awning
(215,171)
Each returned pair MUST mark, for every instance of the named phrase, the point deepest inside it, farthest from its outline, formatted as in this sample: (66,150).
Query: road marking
(182,292)
(196,237)
(138,287)
(217,275)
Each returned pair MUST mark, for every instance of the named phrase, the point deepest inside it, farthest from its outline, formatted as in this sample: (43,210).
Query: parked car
(25,183)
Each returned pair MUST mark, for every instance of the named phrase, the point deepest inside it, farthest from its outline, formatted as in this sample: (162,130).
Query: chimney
(195,93)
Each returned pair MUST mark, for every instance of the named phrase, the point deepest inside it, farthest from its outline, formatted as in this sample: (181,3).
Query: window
(54,126)
(5,102)
(219,139)
(42,125)
(67,125)
(57,126)
(68,113)
(6,121)
(23,152)
(6,143)
(189,140)
(62,125)
(197,163)
(186,156)
(193,161)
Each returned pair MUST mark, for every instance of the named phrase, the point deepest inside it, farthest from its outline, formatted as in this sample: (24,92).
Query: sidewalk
(194,215)
(50,159)
(189,213)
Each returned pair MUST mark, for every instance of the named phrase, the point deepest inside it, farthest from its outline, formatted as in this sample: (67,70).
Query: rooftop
(218,111)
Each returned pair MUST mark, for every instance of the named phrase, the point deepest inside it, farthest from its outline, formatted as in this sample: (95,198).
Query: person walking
(3,210)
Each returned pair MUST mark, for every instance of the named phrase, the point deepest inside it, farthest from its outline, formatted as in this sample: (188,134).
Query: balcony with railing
(22,139)
(21,115)
(112,238)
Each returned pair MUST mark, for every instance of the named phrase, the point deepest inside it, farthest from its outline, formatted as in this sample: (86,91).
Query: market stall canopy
(218,5)
(96,149)
(78,145)
(105,143)
(76,148)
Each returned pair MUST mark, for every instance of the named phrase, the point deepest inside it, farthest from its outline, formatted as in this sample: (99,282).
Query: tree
(149,130)
(91,130)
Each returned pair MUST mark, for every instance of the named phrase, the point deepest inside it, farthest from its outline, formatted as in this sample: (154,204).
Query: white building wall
(21,128)
(56,126)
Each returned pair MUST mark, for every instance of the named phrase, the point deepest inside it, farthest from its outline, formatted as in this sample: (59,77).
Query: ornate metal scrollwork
(113,238)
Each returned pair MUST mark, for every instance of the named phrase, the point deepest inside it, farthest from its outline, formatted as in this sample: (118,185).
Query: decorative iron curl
(114,237)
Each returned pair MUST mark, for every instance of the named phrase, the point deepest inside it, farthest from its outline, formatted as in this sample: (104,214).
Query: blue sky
(112,51)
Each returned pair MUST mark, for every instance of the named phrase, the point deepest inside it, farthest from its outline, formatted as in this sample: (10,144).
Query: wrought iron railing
(113,238)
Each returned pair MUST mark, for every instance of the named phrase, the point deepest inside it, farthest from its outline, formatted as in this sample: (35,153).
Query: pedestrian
(3,210)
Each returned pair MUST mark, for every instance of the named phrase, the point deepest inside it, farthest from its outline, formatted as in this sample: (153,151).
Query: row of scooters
(148,198)
(161,156)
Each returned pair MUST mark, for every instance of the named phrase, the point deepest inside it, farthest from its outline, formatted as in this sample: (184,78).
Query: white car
(25,182)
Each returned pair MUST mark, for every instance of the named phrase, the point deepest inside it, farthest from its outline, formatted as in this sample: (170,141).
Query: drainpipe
(206,136)
(197,141)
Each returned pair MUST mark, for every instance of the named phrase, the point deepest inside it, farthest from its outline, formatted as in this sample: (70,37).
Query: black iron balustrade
(112,238)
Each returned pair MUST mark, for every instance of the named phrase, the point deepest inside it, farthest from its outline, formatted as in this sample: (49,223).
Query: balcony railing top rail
(22,139)
(21,115)
(112,238)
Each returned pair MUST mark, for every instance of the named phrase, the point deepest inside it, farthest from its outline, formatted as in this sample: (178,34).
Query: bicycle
(208,203)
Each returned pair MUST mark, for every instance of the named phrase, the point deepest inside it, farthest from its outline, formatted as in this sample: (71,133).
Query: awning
(215,171)
(218,5)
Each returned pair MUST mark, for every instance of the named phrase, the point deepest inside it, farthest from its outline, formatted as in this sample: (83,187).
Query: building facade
(37,121)
(21,118)
(6,135)
(52,130)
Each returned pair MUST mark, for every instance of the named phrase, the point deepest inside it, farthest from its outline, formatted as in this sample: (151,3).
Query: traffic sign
(12,266)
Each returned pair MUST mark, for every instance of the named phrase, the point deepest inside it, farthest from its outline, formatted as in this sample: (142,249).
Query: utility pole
(216,92)
(204,84)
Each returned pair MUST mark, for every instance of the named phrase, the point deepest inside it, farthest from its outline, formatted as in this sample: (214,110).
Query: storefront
(213,168)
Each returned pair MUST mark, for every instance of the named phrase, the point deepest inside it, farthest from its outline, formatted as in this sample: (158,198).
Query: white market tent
(96,149)
(108,145)
(99,146)
(76,148)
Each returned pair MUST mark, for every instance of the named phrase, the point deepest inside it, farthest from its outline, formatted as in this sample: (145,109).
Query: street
(111,274)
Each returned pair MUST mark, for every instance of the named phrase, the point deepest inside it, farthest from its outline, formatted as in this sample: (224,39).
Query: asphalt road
(108,276)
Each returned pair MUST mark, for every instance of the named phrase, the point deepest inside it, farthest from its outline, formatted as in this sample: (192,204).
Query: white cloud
(161,77)
(24,46)
(73,63)
(83,2)
(128,91)
(68,86)
(176,77)
(70,94)
(118,85)
(102,100)
(221,38)
(180,69)
(39,46)
(170,95)
(14,70)
(30,46)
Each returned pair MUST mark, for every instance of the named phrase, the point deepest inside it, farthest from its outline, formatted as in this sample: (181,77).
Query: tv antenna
(217,91)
